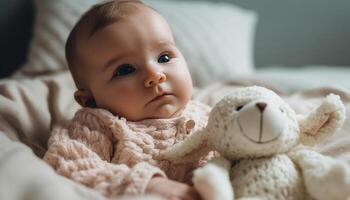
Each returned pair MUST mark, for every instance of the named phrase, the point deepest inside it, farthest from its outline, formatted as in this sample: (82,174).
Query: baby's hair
(97,17)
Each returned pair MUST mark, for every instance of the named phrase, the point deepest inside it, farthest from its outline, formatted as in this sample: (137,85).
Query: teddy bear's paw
(213,182)
(221,163)
(307,158)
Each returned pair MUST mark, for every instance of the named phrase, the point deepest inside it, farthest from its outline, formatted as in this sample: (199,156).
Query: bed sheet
(29,108)
(292,79)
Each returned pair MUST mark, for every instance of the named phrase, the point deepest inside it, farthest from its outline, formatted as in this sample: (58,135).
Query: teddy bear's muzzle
(261,122)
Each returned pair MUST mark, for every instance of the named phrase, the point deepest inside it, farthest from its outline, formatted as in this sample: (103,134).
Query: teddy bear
(261,141)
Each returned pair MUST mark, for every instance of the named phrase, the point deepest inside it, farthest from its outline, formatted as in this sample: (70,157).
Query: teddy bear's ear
(322,122)
(192,148)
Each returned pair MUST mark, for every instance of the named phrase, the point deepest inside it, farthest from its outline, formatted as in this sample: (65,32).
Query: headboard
(16,22)
(289,33)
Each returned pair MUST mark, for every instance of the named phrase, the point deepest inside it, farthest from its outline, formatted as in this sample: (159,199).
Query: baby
(135,89)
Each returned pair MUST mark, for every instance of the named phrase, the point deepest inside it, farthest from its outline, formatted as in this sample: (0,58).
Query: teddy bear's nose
(261,106)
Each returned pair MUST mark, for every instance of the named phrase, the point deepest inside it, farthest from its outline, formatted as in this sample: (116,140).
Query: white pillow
(54,20)
(215,38)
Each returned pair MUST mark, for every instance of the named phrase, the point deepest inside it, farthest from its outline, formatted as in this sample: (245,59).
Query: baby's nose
(155,78)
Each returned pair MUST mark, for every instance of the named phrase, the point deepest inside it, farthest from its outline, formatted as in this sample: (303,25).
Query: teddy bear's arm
(325,177)
(190,150)
(213,180)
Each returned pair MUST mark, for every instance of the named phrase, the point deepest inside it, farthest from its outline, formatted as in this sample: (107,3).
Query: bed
(246,43)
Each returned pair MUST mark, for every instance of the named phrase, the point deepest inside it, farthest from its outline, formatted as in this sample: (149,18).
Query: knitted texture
(119,157)
(260,134)
(274,178)
(215,39)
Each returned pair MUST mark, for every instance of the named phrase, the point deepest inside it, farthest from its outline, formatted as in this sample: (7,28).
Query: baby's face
(135,70)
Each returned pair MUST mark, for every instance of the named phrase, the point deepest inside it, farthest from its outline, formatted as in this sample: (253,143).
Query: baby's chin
(163,112)
(166,111)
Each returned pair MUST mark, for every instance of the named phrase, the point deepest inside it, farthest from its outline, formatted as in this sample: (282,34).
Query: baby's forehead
(138,19)
(115,13)
(128,13)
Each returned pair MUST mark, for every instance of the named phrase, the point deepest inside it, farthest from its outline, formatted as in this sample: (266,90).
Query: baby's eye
(164,58)
(124,69)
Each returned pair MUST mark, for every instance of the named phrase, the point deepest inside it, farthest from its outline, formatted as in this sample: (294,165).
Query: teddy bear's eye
(281,110)
(239,108)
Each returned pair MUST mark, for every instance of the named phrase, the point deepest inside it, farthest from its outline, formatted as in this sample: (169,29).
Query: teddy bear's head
(254,122)
(251,122)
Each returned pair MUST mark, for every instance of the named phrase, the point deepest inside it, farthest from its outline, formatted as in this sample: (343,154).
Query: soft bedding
(293,79)
(30,107)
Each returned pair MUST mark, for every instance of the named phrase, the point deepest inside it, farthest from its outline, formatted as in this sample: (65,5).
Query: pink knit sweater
(119,157)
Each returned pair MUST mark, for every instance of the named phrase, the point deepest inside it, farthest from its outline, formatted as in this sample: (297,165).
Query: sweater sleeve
(84,156)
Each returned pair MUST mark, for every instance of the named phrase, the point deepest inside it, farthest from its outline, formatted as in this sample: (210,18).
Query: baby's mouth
(160,96)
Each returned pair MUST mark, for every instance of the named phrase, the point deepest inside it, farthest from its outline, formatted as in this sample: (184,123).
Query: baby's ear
(84,98)
(322,122)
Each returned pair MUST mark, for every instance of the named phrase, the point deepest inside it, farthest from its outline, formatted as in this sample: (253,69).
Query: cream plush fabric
(216,39)
(258,134)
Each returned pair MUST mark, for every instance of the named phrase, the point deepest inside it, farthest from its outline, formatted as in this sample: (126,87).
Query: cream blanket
(30,107)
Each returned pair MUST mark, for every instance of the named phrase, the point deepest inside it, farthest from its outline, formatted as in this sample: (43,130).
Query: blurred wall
(16,21)
(300,32)
(289,33)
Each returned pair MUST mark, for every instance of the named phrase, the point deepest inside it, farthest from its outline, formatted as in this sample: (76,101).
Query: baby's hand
(171,190)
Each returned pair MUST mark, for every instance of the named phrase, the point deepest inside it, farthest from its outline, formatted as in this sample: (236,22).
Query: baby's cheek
(185,89)
(182,75)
